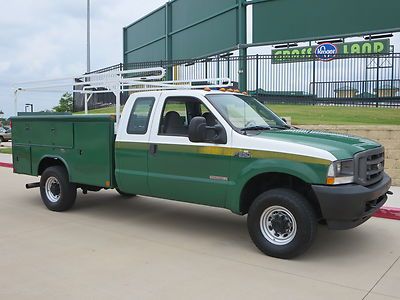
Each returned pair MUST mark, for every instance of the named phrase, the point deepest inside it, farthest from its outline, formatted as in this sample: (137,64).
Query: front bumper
(347,206)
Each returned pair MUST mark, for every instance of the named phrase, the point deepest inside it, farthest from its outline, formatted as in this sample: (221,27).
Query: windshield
(244,112)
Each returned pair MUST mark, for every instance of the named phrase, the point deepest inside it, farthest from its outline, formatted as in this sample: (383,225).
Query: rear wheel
(282,223)
(58,194)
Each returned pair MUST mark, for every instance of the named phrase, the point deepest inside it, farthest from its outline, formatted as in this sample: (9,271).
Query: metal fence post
(377,81)
(168,42)
(313,79)
(257,79)
(242,42)
(218,59)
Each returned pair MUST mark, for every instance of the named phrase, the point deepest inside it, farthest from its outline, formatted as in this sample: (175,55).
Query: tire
(2,139)
(125,194)
(58,194)
(282,223)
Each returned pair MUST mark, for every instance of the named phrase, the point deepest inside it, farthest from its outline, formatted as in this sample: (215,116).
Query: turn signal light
(330,180)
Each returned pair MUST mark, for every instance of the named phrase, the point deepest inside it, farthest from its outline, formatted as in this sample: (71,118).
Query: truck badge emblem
(243,154)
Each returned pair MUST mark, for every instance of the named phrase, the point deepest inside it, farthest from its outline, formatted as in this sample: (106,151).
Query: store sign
(327,51)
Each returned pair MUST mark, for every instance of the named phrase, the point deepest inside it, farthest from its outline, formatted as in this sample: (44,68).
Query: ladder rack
(117,82)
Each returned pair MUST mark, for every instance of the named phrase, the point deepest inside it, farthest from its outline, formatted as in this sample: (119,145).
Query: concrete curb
(392,213)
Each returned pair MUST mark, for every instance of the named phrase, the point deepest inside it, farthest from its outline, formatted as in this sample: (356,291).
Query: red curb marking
(6,165)
(392,213)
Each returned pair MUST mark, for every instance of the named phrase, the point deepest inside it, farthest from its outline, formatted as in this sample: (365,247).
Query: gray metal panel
(188,12)
(293,20)
(152,52)
(146,30)
(208,26)
(209,37)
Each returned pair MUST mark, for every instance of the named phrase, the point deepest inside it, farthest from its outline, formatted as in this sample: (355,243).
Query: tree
(65,104)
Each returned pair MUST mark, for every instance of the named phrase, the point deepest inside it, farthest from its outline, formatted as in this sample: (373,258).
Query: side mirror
(198,130)
(284,120)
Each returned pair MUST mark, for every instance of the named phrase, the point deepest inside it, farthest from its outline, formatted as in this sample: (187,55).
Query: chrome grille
(369,166)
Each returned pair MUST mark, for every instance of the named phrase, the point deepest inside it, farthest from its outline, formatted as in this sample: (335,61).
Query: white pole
(16,102)
(86,104)
(118,105)
(88,36)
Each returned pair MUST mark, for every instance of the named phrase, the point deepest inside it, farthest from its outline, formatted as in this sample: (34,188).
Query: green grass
(333,115)
(6,150)
(325,115)
(104,110)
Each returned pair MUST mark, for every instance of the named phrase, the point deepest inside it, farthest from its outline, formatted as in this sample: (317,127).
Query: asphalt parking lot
(144,248)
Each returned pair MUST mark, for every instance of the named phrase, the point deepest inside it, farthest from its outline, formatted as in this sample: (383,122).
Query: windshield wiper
(281,127)
(257,127)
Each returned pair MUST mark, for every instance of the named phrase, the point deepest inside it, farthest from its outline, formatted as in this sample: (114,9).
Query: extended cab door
(132,144)
(182,170)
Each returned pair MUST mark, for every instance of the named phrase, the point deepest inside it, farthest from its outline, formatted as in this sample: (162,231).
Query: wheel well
(267,181)
(49,162)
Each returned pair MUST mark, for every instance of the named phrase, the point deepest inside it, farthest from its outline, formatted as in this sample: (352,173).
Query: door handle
(153,149)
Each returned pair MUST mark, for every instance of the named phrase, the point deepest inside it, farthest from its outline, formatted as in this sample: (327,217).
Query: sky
(42,39)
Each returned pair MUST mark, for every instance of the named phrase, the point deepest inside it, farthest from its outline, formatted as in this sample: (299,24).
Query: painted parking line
(392,213)
(6,165)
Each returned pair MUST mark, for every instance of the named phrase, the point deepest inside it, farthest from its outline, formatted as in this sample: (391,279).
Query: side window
(174,118)
(178,112)
(140,116)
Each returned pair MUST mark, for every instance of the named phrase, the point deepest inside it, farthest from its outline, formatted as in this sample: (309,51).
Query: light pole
(88,37)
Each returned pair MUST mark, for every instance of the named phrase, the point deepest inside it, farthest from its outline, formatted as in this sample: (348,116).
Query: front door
(182,170)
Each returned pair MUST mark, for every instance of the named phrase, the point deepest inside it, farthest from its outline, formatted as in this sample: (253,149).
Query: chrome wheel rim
(53,189)
(278,225)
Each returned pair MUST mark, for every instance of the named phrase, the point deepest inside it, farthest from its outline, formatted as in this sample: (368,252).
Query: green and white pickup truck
(214,148)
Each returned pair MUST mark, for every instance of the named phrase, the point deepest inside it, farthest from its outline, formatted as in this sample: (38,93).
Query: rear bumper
(347,206)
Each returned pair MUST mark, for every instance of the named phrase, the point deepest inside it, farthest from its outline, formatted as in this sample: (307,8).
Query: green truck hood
(340,145)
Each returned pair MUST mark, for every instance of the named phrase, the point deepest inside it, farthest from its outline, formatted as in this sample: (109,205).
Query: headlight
(340,172)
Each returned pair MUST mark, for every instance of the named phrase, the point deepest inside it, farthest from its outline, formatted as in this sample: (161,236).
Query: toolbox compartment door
(22,162)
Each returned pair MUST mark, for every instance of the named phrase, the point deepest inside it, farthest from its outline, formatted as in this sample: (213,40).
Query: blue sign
(326,52)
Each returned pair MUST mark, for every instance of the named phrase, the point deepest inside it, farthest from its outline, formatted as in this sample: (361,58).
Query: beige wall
(388,136)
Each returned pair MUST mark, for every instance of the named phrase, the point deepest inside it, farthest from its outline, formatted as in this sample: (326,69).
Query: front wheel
(58,194)
(282,223)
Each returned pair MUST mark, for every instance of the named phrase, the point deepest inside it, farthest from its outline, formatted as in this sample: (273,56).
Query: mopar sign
(326,52)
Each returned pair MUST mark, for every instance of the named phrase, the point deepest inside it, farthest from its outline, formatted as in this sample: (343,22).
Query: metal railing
(351,80)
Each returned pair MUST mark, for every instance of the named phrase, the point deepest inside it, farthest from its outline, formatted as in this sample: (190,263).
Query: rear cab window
(140,116)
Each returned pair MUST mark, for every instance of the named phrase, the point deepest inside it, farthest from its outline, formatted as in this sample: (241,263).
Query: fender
(36,168)
(310,173)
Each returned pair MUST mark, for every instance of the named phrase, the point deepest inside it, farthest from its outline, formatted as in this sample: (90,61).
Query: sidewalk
(5,158)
